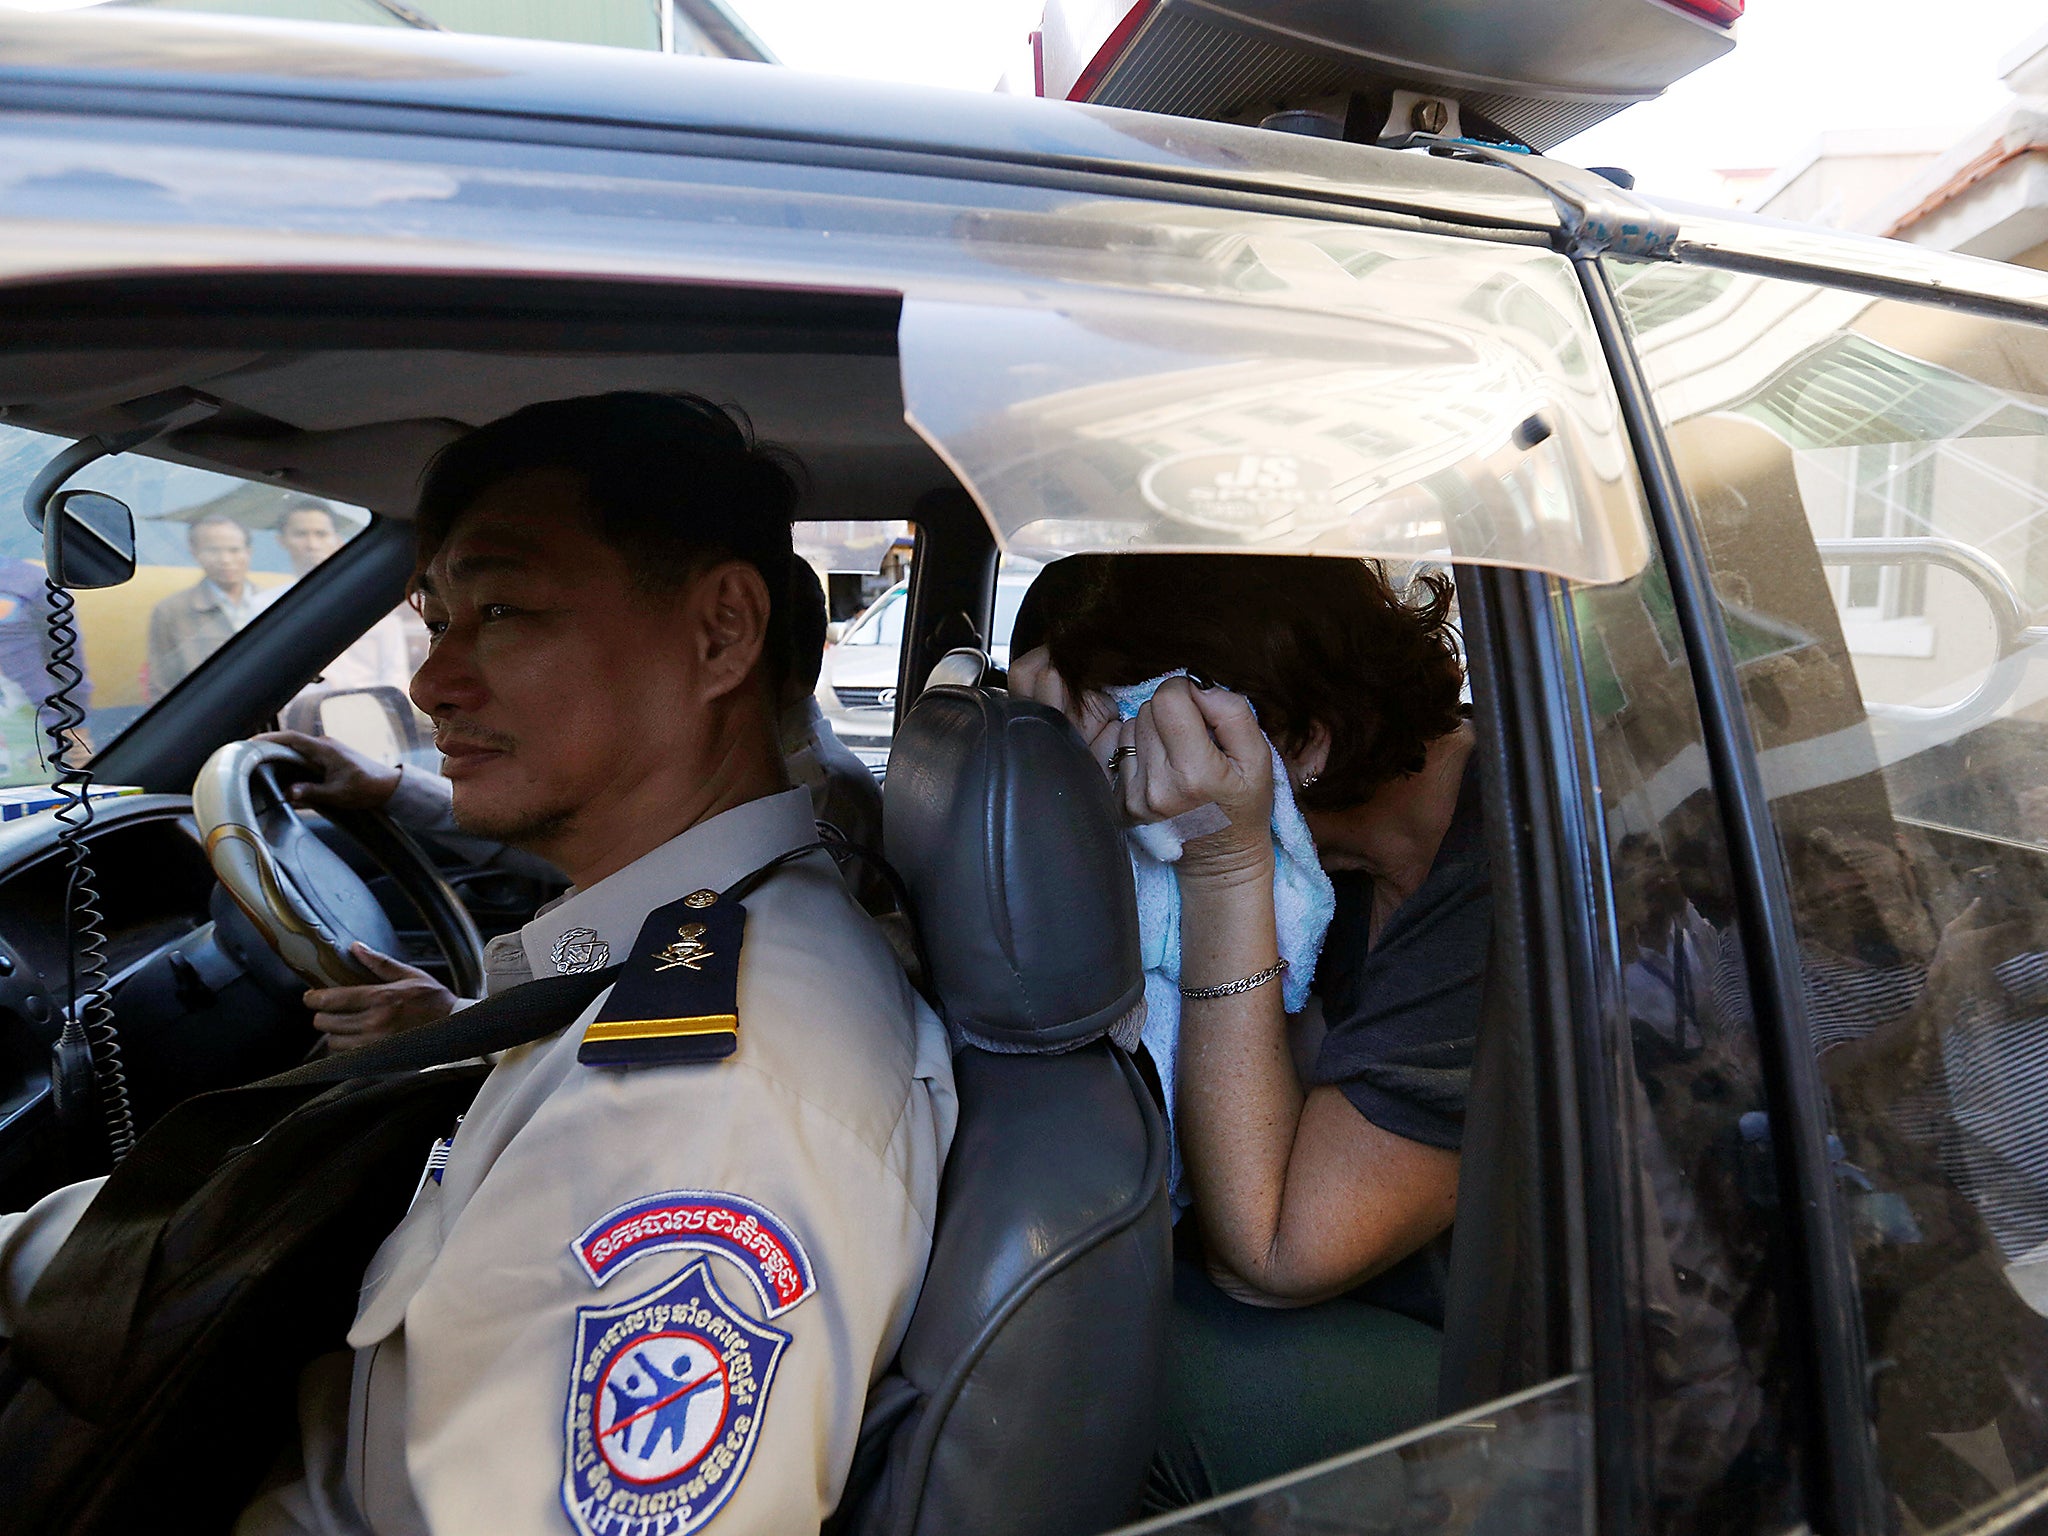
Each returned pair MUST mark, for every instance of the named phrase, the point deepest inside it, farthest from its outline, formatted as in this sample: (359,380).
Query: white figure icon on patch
(662,1405)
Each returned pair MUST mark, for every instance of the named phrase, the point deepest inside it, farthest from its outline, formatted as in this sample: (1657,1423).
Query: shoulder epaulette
(677,996)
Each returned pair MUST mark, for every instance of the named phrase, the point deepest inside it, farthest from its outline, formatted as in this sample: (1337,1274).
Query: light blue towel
(1303,903)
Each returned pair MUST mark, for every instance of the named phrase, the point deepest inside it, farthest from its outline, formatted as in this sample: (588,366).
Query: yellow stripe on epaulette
(656,1042)
(677,996)
(659,1029)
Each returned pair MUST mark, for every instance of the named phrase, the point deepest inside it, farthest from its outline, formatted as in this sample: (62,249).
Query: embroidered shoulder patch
(703,1221)
(665,1403)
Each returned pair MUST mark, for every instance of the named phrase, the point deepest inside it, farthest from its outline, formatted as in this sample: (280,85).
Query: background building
(1988,194)
(1985,194)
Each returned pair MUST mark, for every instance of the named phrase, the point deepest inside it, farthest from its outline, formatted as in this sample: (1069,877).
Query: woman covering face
(1319,1148)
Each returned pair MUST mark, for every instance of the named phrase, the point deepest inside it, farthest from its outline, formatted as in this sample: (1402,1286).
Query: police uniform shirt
(652,1294)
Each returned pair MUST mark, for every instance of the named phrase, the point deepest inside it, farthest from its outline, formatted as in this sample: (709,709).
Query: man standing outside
(604,580)
(189,626)
(382,656)
(308,533)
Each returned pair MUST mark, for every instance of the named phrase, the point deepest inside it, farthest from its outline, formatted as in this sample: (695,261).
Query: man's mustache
(470,734)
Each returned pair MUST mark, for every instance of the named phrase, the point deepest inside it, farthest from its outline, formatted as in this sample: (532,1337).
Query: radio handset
(88,543)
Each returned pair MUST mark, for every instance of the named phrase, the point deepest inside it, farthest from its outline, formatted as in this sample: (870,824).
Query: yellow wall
(115,623)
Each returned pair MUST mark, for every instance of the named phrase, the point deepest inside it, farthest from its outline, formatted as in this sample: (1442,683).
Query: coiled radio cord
(89,1021)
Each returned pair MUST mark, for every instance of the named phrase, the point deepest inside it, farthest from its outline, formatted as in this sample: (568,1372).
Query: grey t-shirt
(1403,1013)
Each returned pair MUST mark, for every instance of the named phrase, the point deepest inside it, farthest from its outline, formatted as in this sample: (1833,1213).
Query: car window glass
(362,698)
(881,624)
(1361,391)
(865,570)
(1711,1381)
(1014,575)
(1871,478)
(1519,1464)
(212,552)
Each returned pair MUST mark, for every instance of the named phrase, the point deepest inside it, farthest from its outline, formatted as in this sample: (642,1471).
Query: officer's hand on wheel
(403,998)
(348,780)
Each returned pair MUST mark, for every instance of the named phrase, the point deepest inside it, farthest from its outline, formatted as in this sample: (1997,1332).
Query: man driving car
(843,793)
(672,1281)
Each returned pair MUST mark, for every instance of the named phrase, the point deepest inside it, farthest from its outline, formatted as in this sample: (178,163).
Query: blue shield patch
(665,1403)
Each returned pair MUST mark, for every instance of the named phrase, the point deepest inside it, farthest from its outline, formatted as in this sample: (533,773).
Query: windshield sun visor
(1432,399)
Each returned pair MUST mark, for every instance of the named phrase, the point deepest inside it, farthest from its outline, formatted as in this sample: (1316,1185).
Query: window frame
(1844,1491)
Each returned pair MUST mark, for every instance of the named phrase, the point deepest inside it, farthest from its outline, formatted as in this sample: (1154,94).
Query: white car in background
(857,684)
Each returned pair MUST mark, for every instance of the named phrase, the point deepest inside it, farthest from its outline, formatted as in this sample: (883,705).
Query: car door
(1860,443)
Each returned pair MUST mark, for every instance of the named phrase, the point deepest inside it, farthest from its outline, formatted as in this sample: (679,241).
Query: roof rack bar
(1598,217)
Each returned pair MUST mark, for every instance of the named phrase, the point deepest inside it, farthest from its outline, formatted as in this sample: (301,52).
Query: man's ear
(728,612)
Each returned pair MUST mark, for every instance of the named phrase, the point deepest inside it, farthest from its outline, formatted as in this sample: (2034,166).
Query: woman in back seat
(1320,1151)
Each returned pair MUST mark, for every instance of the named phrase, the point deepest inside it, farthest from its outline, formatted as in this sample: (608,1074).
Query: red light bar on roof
(1722,13)
(1538,70)
(1111,50)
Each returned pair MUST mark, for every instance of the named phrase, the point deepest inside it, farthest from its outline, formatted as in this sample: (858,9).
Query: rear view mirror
(88,540)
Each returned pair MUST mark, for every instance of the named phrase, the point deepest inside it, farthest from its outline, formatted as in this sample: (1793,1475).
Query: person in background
(308,533)
(382,656)
(843,790)
(189,626)
(24,677)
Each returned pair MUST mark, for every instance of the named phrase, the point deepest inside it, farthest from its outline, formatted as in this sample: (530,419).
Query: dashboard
(194,1006)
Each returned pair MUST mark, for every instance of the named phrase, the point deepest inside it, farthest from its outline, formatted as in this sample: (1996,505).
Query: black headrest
(1002,827)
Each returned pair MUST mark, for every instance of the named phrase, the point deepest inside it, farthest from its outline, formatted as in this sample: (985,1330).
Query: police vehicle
(1749,528)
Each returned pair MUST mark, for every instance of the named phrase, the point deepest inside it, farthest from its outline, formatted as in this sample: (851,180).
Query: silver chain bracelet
(1249,983)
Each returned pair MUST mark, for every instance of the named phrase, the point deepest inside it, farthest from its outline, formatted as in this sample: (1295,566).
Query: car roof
(236,83)
(216,66)
(227,68)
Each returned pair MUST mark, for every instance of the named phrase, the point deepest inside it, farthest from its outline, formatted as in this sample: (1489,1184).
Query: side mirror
(378,722)
(88,540)
(834,630)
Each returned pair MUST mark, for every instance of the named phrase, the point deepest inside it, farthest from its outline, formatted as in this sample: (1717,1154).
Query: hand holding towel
(1303,903)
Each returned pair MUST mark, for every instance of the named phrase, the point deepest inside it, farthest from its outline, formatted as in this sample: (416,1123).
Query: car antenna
(85,1063)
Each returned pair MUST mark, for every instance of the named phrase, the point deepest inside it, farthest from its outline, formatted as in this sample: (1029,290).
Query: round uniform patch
(665,1404)
(661,1403)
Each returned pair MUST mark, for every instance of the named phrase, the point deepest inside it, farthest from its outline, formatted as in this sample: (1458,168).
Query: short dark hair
(1309,639)
(214,520)
(285,517)
(678,485)
(808,625)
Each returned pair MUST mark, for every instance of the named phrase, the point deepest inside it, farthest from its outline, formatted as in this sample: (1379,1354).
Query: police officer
(844,795)
(645,1298)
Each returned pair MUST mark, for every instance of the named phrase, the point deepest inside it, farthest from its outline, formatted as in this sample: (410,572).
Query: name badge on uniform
(676,999)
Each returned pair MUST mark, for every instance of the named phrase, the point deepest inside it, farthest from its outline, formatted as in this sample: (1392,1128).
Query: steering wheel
(301,895)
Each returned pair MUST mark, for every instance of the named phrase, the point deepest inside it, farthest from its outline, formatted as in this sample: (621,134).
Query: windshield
(212,552)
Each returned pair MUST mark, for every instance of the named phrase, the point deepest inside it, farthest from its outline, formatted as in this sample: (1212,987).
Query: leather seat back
(1025,1399)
